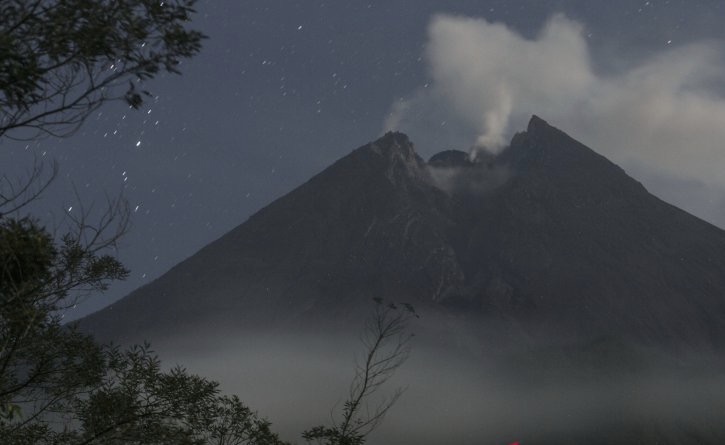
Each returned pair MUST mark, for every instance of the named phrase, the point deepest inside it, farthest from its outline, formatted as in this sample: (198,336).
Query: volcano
(546,235)
(596,306)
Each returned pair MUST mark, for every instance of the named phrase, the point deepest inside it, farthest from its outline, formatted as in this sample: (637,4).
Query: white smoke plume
(666,112)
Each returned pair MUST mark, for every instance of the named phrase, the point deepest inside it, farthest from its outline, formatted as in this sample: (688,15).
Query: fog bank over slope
(296,379)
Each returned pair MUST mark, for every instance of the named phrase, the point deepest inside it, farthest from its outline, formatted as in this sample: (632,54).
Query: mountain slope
(572,242)
(355,230)
(547,236)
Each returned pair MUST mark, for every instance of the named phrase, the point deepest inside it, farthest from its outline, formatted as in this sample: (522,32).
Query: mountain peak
(545,146)
(394,138)
(548,158)
(392,153)
(536,123)
(391,143)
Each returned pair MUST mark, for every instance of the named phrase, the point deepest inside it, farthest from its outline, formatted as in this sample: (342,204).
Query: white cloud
(486,80)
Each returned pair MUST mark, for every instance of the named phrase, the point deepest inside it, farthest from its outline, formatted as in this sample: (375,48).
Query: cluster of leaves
(58,386)
(61,59)
(138,403)
(43,365)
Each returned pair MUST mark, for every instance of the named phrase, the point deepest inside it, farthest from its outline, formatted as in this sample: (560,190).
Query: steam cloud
(665,112)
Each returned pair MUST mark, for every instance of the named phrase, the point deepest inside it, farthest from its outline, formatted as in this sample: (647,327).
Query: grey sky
(284,88)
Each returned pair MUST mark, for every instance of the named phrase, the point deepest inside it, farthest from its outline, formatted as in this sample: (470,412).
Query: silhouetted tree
(386,341)
(58,386)
(61,59)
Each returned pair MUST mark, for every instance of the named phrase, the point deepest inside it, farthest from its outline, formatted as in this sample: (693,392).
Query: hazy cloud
(296,379)
(666,112)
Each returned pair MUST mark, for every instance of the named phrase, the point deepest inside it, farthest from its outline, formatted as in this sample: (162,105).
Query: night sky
(282,89)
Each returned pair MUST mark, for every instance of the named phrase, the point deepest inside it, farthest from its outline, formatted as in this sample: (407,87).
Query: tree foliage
(43,364)
(138,403)
(61,59)
(58,386)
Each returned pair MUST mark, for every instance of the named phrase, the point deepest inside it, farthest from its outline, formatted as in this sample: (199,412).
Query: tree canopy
(58,386)
(61,59)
